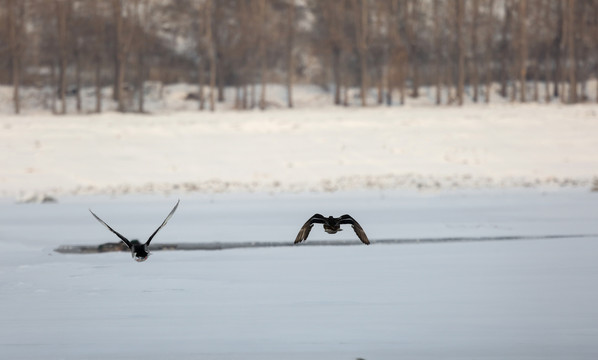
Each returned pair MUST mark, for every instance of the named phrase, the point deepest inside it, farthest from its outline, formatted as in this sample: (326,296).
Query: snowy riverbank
(324,149)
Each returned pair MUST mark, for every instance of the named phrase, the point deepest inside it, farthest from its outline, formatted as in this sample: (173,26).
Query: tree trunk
(123,45)
(345,92)
(117,13)
(474,51)
(450,85)
(556,49)
(220,75)
(572,62)
(401,73)
(522,50)
(336,74)
(200,87)
(489,51)
(361,18)
(78,77)
(238,96)
(437,47)
(98,84)
(14,45)
(513,94)
(53,86)
(99,33)
(263,58)
(536,89)
(290,47)
(200,73)
(460,52)
(412,60)
(539,56)
(76,41)
(140,82)
(211,52)
(61,10)
(393,50)
(141,17)
(383,62)
(505,51)
(120,79)
(380,85)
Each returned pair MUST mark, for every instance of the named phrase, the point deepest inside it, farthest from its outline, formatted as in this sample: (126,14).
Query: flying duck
(331,225)
(139,251)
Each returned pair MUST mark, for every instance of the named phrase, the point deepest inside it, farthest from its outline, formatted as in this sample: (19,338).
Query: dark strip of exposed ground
(110,247)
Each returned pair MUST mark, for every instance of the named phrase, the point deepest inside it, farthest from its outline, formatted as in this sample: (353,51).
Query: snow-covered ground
(319,149)
(403,172)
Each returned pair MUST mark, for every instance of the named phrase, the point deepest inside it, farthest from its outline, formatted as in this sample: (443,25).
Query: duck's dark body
(331,225)
(139,251)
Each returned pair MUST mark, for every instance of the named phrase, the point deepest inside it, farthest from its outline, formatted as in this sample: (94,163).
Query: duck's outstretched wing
(306,228)
(124,239)
(347,219)
(163,223)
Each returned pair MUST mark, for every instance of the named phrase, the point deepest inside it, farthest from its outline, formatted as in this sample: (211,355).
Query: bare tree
(98,58)
(200,42)
(505,48)
(379,46)
(262,50)
(394,49)
(141,16)
(537,44)
(438,56)
(460,51)
(489,51)
(63,41)
(403,54)
(331,15)
(572,60)
(77,50)
(474,49)
(244,50)
(15,13)
(219,40)
(556,48)
(411,15)
(547,61)
(117,16)
(290,48)
(123,39)
(211,51)
(522,50)
(361,34)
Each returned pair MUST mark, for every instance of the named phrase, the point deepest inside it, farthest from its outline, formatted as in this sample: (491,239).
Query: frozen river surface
(524,299)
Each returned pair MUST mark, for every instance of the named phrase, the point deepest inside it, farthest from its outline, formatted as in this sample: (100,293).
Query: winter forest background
(385,50)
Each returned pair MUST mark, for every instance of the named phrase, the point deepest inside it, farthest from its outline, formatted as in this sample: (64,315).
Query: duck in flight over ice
(331,225)
(139,251)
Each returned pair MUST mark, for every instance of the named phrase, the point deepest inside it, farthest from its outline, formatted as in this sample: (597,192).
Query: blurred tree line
(390,48)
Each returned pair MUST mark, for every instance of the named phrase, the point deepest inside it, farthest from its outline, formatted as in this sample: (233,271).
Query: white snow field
(319,149)
(413,172)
